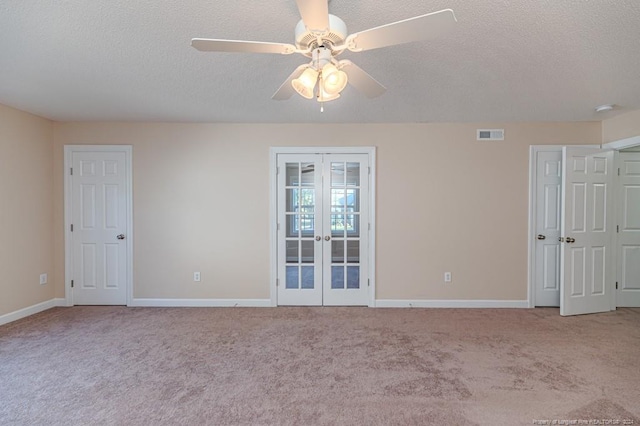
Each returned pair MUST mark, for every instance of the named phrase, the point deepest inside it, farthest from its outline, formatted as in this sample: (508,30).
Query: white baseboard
(30,310)
(201,303)
(393,303)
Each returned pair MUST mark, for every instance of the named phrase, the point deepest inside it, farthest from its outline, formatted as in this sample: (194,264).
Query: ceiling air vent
(490,134)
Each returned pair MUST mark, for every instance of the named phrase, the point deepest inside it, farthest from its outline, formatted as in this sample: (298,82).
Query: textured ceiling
(544,60)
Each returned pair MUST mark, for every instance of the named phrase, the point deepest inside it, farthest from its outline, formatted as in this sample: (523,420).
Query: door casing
(273,213)
(68,240)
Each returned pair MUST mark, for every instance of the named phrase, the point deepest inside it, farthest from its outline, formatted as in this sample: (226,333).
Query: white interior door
(628,241)
(99,228)
(323,228)
(547,228)
(299,229)
(346,221)
(586,254)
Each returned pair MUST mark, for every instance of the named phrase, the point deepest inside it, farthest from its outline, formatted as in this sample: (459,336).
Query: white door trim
(273,213)
(68,245)
(623,143)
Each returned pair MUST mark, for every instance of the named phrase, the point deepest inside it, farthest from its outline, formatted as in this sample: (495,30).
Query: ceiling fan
(323,37)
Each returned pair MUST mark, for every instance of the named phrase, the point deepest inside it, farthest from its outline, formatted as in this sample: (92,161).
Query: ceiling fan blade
(362,81)
(315,14)
(286,90)
(417,28)
(242,46)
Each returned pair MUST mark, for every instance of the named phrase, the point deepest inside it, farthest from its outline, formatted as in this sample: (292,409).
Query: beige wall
(621,127)
(445,202)
(26,209)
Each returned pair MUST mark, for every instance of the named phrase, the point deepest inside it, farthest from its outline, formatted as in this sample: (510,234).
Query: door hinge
(277,282)
(278,227)
(369,168)
(618,171)
(71,171)
(617,228)
(277,170)
(368,283)
(616,285)
(72,227)
(71,283)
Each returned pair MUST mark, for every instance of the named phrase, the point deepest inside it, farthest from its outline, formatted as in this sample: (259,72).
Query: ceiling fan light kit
(322,37)
(323,72)
(305,84)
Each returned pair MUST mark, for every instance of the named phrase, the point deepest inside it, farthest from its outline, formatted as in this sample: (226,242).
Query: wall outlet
(43,279)
(196,276)
(447,277)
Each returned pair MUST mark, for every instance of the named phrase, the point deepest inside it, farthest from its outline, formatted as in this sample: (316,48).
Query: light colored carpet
(318,366)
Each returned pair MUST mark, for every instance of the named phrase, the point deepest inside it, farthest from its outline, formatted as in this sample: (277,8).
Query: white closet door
(628,245)
(586,255)
(99,218)
(548,196)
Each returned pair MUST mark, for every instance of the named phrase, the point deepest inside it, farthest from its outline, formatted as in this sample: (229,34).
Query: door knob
(570,240)
(541,237)
(327,238)
(120,237)
(318,238)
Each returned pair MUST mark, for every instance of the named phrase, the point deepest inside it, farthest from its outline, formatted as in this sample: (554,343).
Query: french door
(323,229)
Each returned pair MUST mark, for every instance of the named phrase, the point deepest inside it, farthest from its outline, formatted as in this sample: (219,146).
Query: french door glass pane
(352,202)
(292,277)
(292,251)
(307,174)
(337,251)
(337,277)
(353,174)
(308,247)
(353,277)
(293,174)
(353,251)
(307,277)
(337,174)
(293,225)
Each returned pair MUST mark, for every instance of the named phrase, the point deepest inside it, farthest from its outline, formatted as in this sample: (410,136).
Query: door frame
(69,150)
(273,210)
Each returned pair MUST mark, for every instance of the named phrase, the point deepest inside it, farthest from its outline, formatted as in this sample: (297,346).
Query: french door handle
(318,238)
(570,240)
(541,237)
(120,237)
(327,238)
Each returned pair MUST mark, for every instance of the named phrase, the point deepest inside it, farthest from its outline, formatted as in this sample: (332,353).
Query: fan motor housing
(335,36)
